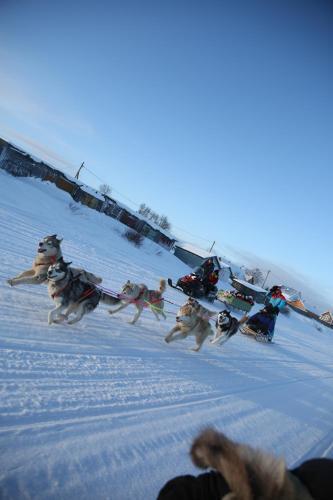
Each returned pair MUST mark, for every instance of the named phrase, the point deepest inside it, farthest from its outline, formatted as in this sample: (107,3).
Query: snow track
(108,410)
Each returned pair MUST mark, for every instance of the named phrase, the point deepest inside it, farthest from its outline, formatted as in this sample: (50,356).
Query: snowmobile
(191,285)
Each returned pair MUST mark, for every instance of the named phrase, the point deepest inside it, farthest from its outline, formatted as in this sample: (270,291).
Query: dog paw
(196,348)
(60,319)
(72,321)
(167,340)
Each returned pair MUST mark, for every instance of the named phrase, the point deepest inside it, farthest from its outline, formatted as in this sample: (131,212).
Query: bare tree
(148,213)
(105,189)
(164,223)
(256,274)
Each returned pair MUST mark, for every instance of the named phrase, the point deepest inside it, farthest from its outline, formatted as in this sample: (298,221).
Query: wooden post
(78,172)
(211,248)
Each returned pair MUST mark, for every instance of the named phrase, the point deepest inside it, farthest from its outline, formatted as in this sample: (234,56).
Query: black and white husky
(72,294)
(226,326)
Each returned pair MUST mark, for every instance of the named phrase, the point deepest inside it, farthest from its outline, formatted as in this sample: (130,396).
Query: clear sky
(217,114)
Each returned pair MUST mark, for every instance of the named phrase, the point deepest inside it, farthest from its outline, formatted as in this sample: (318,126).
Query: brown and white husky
(192,319)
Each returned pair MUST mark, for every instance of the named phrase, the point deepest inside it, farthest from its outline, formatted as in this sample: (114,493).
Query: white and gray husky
(71,294)
(140,296)
(48,253)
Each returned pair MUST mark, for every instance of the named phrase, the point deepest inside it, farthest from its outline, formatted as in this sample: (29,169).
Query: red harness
(53,260)
(145,303)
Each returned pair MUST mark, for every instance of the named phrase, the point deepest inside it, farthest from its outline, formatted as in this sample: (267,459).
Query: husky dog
(191,320)
(226,326)
(249,473)
(201,311)
(48,253)
(141,297)
(72,295)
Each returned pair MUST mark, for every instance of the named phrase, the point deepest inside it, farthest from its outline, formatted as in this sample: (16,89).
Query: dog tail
(109,299)
(162,286)
(249,473)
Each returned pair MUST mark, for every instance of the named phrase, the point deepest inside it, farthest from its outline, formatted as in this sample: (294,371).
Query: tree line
(149,214)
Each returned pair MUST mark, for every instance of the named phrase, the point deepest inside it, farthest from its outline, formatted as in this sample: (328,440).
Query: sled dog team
(75,293)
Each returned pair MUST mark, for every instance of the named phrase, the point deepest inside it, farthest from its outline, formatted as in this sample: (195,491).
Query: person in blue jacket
(265,319)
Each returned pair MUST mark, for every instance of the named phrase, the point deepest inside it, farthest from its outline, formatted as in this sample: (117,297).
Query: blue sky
(217,114)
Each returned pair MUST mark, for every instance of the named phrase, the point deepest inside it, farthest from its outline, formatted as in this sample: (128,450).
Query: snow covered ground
(108,410)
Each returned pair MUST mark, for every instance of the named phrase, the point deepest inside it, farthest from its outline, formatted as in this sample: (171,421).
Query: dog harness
(86,293)
(53,260)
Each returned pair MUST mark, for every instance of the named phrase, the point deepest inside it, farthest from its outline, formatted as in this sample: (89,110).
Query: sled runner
(258,336)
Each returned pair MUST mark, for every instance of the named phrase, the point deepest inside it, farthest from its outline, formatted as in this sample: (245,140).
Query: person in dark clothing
(208,486)
(207,267)
(210,281)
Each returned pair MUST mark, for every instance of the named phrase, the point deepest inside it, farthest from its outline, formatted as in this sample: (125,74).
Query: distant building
(194,257)
(327,317)
(21,164)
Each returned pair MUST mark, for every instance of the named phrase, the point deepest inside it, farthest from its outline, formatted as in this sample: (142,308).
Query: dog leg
(122,306)
(155,314)
(60,318)
(170,337)
(79,313)
(200,339)
(27,277)
(137,316)
(53,313)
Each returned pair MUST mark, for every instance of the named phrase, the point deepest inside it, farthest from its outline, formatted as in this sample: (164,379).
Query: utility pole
(78,172)
(265,279)
(211,248)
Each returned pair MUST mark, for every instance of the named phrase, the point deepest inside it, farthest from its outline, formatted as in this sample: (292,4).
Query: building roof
(195,250)
(249,285)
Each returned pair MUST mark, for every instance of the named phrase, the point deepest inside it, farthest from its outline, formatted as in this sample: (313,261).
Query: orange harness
(53,260)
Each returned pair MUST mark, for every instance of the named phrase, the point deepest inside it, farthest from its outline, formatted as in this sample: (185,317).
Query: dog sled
(258,335)
(234,301)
